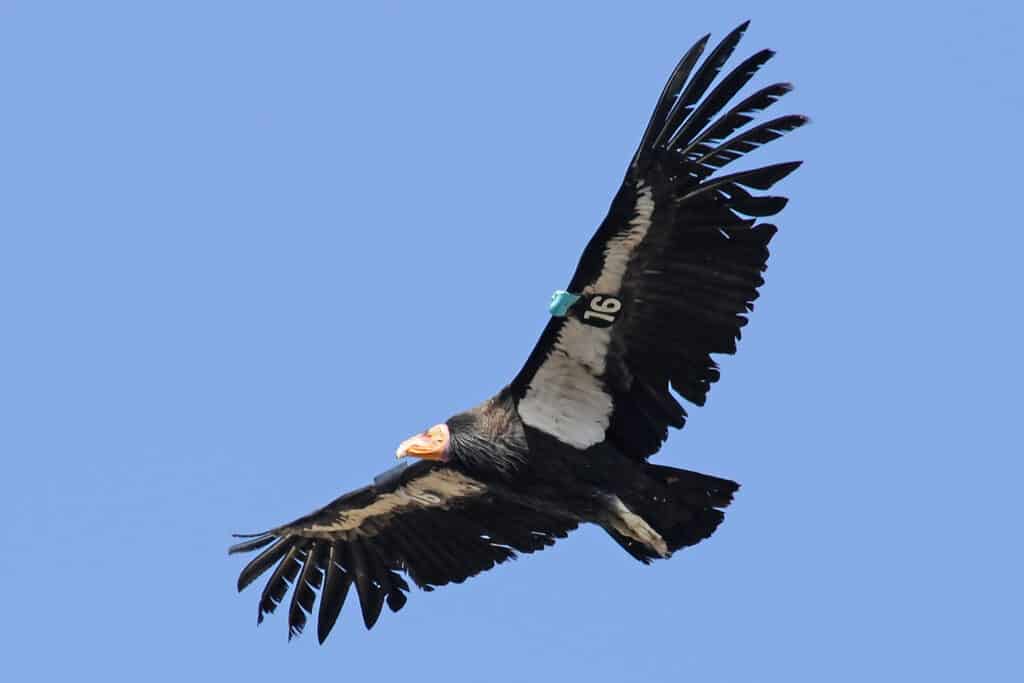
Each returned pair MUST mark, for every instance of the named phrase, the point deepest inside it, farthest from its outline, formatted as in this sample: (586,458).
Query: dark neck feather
(489,437)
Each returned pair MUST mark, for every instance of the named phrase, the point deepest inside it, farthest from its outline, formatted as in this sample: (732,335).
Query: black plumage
(667,280)
(336,585)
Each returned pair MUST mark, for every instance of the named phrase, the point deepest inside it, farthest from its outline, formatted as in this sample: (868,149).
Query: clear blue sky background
(247,247)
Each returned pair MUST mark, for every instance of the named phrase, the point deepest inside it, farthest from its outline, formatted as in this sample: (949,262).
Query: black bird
(666,281)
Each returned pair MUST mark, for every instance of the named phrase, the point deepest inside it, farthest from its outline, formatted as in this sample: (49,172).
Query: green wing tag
(561,301)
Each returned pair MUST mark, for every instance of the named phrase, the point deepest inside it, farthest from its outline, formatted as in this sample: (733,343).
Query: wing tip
(734,36)
(255,542)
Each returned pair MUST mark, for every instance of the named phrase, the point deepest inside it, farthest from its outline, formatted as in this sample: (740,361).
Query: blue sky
(248,247)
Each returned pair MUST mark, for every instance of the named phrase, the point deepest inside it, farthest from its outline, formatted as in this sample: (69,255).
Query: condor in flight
(666,281)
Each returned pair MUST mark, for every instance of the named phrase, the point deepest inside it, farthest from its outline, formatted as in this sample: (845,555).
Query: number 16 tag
(601,310)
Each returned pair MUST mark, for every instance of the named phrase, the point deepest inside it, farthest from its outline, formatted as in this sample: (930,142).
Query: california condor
(666,281)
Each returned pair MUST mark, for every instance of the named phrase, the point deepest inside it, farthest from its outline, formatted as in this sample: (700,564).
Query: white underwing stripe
(437,488)
(620,248)
(566,397)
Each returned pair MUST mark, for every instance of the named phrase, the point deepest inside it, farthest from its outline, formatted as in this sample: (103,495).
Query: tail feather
(694,487)
(683,507)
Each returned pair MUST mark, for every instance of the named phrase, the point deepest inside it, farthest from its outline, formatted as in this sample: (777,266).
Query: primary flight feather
(666,281)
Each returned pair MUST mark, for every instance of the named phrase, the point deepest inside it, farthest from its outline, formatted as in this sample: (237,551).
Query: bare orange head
(429,445)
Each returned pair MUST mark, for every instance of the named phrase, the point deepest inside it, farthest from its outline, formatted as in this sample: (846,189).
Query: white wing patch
(435,489)
(566,397)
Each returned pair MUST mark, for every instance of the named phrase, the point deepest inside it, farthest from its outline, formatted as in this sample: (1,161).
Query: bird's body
(517,461)
(667,280)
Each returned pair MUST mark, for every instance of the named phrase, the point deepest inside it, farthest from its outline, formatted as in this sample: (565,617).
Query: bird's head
(432,444)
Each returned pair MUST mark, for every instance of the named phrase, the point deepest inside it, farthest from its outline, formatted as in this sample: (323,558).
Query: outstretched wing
(670,274)
(432,522)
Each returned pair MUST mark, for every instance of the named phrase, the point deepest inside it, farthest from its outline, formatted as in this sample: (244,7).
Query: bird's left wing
(428,520)
(670,274)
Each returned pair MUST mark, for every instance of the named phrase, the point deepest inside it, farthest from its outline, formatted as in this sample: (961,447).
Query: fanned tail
(681,507)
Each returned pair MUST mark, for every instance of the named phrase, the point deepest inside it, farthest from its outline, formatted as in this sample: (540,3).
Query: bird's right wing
(428,520)
(669,277)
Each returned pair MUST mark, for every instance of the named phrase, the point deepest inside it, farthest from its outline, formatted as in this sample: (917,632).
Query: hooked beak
(430,445)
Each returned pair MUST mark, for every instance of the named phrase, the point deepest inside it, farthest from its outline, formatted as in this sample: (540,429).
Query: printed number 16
(603,308)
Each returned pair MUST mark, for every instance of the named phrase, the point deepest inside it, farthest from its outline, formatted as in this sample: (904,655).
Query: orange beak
(430,445)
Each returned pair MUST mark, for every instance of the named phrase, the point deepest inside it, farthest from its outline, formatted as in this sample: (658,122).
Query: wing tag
(602,310)
(561,302)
